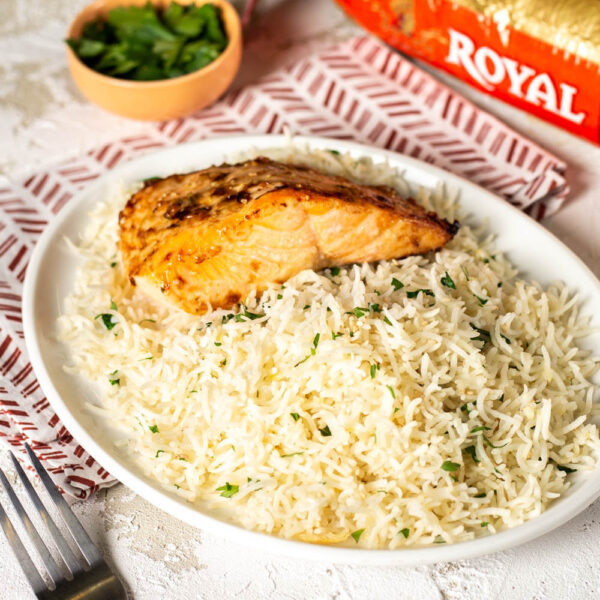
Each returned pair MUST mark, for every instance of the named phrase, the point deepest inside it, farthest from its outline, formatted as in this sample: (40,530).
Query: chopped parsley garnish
(335,152)
(480,428)
(306,307)
(295,416)
(482,301)
(373,370)
(389,387)
(386,320)
(147,321)
(360,312)
(218,344)
(415,293)
(375,307)
(486,260)
(303,360)
(316,342)
(113,264)
(292,454)
(481,495)
(153,428)
(499,284)
(397,285)
(484,523)
(325,432)
(251,315)
(335,335)
(146,358)
(113,305)
(484,336)
(107,319)
(501,399)
(487,441)
(356,534)
(227,318)
(448,281)
(565,469)
(405,532)
(465,408)
(439,540)
(472,452)
(396,409)
(450,466)
(335,271)
(158,452)
(114,380)
(507,340)
(228,489)
(466,273)
(279,296)
(377,292)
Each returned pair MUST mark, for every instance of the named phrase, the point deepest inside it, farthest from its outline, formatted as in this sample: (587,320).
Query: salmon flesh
(207,239)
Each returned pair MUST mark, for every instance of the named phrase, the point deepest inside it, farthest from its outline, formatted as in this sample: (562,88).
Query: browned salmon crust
(209,238)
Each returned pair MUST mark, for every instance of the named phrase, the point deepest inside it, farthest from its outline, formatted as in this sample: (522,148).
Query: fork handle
(99,583)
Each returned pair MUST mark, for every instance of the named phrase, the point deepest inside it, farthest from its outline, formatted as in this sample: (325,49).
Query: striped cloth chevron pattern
(358,90)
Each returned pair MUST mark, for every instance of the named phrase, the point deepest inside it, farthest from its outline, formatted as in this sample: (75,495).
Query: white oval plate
(50,277)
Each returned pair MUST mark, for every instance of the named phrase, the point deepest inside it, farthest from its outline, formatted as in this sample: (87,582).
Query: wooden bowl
(165,98)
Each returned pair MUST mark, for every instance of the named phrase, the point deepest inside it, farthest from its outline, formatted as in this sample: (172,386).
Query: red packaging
(490,53)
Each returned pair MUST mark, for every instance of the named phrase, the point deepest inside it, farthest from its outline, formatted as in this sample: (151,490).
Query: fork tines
(93,561)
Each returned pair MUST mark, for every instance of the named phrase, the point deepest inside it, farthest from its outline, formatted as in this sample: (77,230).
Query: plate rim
(544,523)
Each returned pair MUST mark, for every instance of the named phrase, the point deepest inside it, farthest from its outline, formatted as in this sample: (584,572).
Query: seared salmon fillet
(209,238)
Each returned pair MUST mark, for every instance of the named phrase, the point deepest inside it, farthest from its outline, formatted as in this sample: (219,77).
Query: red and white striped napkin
(358,90)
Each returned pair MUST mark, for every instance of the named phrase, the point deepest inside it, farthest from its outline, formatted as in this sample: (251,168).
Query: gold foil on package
(572,25)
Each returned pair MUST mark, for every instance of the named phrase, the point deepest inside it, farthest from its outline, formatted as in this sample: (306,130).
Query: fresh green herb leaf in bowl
(142,43)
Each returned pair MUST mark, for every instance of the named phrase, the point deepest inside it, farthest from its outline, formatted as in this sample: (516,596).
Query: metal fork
(92,581)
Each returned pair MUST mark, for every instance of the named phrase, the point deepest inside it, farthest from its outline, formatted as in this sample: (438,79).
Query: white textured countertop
(44,119)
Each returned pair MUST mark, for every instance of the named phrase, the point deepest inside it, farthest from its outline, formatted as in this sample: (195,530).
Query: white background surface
(43,119)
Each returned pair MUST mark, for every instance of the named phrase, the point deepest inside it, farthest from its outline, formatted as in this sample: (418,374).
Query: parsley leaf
(373,370)
(405,532)
(397,285)
(107,319)
(480,428)
(113,305)
(295,416)
(484,523)
(153,428)
(487,441)
(228,489)
(356,534)
(484,336)
(472,452)
(507,340)
(375,307)
(565,469)
(158,452)
(389,387)
(292,454)
(482,301)
(114,380)
(316,340)
(448,465)
(326,432)
(360,312)
(415,293)
(335,271)
(386,320)
(335,335)
(447,281)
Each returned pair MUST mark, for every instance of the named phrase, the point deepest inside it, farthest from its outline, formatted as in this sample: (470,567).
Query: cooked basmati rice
(348,401)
